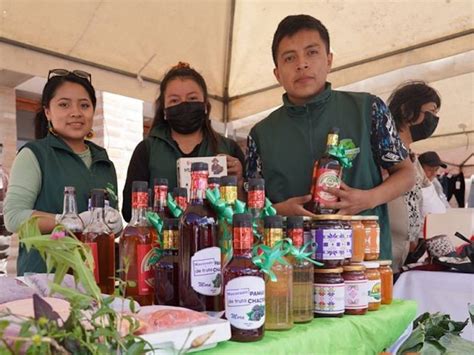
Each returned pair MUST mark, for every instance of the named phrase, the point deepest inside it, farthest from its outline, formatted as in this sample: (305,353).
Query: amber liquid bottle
(256,200)
(326,173)
(160,189)
(167,268)
(228,192)
(101,241)
(244,289)
(200,279)
(135,249)
(278,294)
(69,218)
(303,271)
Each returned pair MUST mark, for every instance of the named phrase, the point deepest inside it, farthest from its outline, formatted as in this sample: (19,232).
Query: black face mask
(187,117)
(424,129)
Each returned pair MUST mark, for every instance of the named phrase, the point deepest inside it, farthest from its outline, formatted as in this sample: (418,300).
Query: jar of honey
(372,237)
(328,292)
(356,295)
(374,284)
(386,277)
(358,239)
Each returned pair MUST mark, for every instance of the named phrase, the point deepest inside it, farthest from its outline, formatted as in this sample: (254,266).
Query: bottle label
(296,236)
(330,244)
(372,240)
(181,202)
(199,180)
(170,239)
(348,243)
(139,199)
(145,275)
(356,295)
(206,271)
(374,291)
(329,298)
(326,178)
(228,193)
(161,192)
(256,199)
(95,256)
(245,302)
(272,235)
(242,238)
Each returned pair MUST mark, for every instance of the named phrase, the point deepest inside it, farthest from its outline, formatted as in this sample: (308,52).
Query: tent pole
(227,65)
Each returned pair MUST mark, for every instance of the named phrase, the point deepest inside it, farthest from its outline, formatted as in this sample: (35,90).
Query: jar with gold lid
(372,237)
(328,292)
(356,295)
(386,277)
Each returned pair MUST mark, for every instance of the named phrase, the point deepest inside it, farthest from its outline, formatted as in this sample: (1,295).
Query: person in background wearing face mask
(181,128)
(434,199)
(414,106)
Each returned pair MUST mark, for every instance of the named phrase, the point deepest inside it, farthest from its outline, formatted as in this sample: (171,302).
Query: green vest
(293,137)
(164,153)
(60,167)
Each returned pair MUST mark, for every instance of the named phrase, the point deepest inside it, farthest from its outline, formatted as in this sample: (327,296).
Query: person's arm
(390,154)
(23,190)
(138,170)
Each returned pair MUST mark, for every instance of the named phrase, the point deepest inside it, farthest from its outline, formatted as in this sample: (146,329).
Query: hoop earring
(51,129)
(90,135)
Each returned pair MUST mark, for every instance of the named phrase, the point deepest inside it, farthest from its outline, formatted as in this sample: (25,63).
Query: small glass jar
(308,237)
(386,277)
(328,292)
(358,239)
(328,234)
(372,237)
(356,295)
(347,228)
(374,284)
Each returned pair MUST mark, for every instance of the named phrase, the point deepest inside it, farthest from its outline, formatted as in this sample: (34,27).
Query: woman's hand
(234,167)
(351,201)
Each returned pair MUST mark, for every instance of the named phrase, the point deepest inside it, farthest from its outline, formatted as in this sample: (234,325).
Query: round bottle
(374,284)
(328,234)
(356,294)
(386,277)
(328,292)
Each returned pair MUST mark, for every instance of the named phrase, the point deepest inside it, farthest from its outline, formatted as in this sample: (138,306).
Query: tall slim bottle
(101,240)
(160,189)
(70,218)
(327,172)
(135,248)
(278,294)
(200,279)
(228,192)
(303,274)
(180,195)
(256,200)
(244,289)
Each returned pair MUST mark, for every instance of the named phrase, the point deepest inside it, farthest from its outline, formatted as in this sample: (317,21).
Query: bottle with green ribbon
(327,172)
(228,193)
(279,292)
(256,201)
(303,271)
(244,285)
(180,196)
(167,267)
(200,279)
(160,193)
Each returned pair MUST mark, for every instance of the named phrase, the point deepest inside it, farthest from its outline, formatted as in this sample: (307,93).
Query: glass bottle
(256,200)
(244,289)
(160,189)
(180,195)
(228,192)
(303,274)
(279,293)
(200,279)
(135,248)
(150,200)
(101,240)
(326,173)
(214,182)
(167,269)
(69,218)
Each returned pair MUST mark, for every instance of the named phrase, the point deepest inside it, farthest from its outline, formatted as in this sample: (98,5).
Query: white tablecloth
(435,291)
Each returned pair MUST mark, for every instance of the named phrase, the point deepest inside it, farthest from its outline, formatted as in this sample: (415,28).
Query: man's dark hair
(290,25)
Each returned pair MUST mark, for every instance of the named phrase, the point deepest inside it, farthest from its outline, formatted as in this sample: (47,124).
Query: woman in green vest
(62,158)
(181,128)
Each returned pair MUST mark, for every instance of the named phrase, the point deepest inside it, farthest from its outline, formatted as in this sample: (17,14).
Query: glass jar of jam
(328,292)
(347,229)
(358,239)
(386,277)
(308,237)
(328,234)
(374,284)
(356,295)
(372,237)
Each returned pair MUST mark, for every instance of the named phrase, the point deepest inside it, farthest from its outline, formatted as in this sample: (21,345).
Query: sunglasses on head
(64,72)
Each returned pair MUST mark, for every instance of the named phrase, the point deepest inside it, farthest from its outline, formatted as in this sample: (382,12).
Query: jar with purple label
(347,227)
(329,235)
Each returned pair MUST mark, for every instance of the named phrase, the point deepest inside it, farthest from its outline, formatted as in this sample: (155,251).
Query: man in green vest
(283,147)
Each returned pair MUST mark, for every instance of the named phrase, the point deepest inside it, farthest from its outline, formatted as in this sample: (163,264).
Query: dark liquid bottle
(214,182)
(228,192)
(135,248)
(256,201)
(70,219)
(180,195)
(101,241)
(160,206)
(200,279)
(326,173)
(244,289)
(167,269)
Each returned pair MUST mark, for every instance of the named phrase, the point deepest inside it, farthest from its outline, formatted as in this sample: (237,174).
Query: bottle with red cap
(160,204)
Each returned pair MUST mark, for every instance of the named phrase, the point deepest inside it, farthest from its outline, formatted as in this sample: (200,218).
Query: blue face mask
(426,128)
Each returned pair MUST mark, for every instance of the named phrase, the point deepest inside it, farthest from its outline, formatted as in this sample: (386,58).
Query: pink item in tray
(169,318)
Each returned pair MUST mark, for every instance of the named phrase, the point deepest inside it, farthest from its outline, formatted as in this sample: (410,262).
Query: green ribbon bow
(268,210)
(175,210)
(264,257)
(301,254)
(113,199)
(339,152)
(157,222)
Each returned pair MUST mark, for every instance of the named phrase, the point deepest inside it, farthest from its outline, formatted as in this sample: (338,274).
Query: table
(368,334)
(436,291)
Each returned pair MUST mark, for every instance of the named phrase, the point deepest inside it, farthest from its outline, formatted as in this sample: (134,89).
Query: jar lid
(370,218)
(230,180)
(199,166)
(160,182)
(385,262)
(214,180)
(354,267)
(326,217)
(336,270)
(346,218)
(273,222)
(357,218)
(371,264)
(294,222)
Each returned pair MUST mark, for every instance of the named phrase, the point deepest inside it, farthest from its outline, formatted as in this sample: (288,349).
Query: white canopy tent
(129,45)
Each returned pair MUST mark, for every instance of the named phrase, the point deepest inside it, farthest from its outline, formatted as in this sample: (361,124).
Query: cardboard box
(217,168)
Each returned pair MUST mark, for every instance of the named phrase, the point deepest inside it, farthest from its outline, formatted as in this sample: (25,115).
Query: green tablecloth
(368,334)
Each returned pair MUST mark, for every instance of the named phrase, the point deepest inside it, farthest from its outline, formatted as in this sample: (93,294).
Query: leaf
(471,312)
(136,349)
(414,342)
(432,348)
(44,309)
(454,344)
